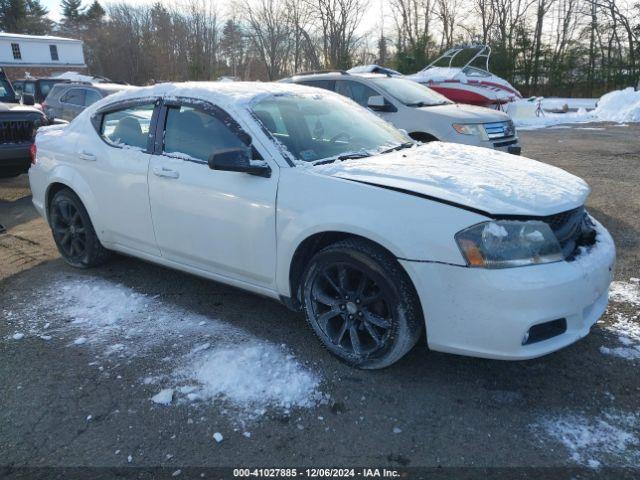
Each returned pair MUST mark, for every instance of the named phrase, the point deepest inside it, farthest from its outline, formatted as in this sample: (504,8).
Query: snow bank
(619,106)
(485,179)
(194,358)
(608,439)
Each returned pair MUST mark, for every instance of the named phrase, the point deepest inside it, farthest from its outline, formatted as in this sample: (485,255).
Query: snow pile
(608,439)
(485,179)
(619,106)
(253,374)
(232,367)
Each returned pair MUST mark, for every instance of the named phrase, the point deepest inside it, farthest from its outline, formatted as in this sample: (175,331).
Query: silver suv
(66,100)
(425,114)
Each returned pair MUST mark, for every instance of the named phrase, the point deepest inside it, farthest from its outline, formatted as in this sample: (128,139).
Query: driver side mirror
(378,103)
(28,99)
(237,160)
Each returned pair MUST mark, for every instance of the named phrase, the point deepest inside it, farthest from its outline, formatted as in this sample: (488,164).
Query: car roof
(220,93)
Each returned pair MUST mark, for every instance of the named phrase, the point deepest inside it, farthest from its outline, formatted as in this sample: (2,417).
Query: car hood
(479,179)
(458,113)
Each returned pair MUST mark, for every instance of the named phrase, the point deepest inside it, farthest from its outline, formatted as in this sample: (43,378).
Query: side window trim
(97,118)
(197,104)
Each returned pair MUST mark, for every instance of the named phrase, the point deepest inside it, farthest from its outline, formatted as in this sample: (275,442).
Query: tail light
(33,151)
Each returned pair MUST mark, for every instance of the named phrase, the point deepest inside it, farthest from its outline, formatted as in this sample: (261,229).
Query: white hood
(480,178)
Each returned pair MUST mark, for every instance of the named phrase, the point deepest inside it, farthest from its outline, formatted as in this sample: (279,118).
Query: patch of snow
(479,177)
(163,397)
(253,375)
(234,368)
(17,336)
(397,430)
(495,230)
(625,292)
(608,439)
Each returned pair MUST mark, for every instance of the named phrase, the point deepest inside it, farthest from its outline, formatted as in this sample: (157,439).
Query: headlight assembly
(509,243)
(470,129)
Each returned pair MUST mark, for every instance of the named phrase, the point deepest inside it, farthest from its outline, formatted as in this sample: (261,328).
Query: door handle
(165,172)
(88,156)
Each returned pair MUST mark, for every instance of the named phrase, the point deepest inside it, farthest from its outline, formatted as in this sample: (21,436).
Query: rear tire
(361,304)
(73,231)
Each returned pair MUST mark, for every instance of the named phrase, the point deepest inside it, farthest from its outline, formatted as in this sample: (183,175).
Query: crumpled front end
(518,313)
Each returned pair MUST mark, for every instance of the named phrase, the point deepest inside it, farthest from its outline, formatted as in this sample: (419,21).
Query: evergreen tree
(37,21)
(72,17)
(71,10)
(12,15)
(95,12)
(24,16)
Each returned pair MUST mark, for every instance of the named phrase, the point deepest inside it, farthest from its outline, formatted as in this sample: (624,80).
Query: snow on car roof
(224,94)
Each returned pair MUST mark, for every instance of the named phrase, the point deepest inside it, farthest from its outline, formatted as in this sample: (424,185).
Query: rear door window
(128,126)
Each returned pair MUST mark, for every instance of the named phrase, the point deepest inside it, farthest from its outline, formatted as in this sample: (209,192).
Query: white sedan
(301,195)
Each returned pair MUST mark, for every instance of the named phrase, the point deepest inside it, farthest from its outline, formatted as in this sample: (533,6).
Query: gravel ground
(70,402)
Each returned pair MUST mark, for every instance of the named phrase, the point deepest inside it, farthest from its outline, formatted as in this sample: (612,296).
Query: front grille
(16,131)
(573,229)
(499,130)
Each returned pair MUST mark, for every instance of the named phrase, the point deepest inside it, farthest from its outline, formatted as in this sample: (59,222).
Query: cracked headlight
(471,129)
(509,243)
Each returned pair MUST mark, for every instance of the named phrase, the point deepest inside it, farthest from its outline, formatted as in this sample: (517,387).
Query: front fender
(408,226)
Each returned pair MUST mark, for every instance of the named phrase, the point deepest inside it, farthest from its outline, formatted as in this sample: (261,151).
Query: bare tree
(338,21)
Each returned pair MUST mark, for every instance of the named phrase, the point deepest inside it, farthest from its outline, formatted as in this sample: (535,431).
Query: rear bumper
(487,313)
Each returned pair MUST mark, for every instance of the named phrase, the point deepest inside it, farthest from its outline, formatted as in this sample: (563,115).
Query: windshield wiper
(349,156)
(424,104)
(345,156)
(398,147)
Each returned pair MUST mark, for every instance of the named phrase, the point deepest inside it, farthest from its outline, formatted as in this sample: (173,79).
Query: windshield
(409,92)
(316,127)
(6,92)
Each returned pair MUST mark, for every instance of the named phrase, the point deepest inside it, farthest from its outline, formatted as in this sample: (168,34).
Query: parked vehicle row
(425,114)
(302,195)
(39,102)
(18,126)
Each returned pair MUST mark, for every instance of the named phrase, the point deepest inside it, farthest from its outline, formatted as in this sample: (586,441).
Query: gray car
(66,101)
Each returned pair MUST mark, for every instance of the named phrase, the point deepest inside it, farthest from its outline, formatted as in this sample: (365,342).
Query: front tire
(361,304)
(73,231)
